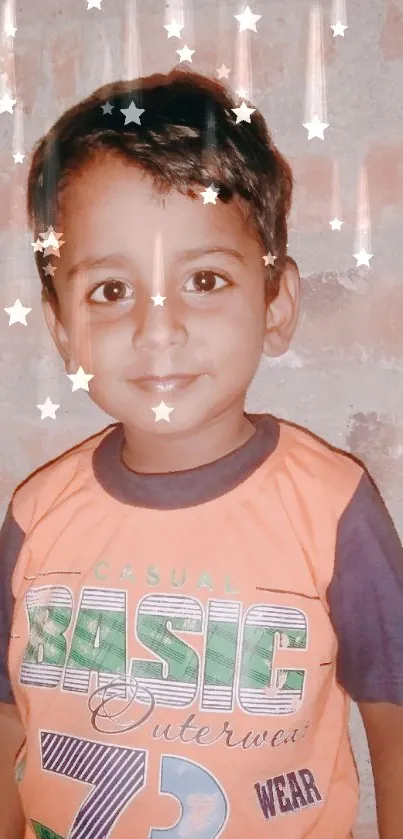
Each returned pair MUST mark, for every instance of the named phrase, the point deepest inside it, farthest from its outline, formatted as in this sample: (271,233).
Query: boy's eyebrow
(183,256)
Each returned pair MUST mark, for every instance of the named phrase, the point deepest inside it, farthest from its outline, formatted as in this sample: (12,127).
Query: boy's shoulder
(39,489)
(313,460)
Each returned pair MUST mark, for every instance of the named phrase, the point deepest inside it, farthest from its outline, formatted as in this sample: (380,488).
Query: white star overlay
(363,258)
(50,240)
(18,313)
(243,113)
(336,223)
(18,157)
(338,29)
(48,409)
(80,379)
(49,269)
(94,4)
(223,72)
(10,30)
(316,128)
(7,104)
(162,412)
(185,54)
(174,29)
(269,259)
(210,195)
(158,300)
(247,20)
(132,113)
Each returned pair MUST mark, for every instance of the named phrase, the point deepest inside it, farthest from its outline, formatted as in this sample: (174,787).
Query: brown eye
(206,281)
(111,291)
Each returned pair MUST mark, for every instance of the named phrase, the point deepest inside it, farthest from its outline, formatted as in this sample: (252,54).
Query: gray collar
(175,490)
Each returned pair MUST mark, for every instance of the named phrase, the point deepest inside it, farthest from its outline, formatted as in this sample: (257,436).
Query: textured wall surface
(343,376)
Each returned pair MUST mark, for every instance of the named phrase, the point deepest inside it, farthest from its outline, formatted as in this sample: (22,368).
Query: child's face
(108,322)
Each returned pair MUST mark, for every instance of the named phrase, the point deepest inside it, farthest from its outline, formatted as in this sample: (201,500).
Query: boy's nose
(157,327)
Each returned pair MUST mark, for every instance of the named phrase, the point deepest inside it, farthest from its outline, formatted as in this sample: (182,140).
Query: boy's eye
(206,281)
(110,291)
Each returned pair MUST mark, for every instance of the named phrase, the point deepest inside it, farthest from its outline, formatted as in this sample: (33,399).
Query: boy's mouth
(165,384)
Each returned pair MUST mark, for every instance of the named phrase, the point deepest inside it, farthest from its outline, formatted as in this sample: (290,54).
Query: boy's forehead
(160,200)
(114,201)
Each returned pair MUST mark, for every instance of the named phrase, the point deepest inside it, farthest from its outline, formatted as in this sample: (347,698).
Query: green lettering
(47,625)
(99,639)
(97,570)
(158,617)
(220,656)
(205,581)
(174,582)
(153,576)
(267,628)
(127,573)
(228,589)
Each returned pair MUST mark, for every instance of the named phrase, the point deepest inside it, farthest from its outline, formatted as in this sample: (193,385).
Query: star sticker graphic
(50,251)
(49,232)
(80,379)
(10,30)
(316,128)
(363,258)
(338,29)
(174,29)
(18,313)
(53,251)
(242,93)
(132,113)
(158,300)
(185,54)
(52,242)
(48,409)
(269,259)
(243,113)
(18,157)
(336,224)
(247,20)
(223,72)
(49,269)
(7,104)
(210,195)
(37,246)
(107,108)
(94,4)
(162,412)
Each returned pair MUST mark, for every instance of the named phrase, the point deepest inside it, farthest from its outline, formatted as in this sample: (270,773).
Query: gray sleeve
(11,539)
(366,599)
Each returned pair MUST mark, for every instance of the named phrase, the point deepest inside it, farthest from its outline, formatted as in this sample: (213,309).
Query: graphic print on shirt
(117,775)
(237,666)
(236,670)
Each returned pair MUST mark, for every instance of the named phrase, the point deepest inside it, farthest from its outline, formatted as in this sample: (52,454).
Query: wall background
(343,376)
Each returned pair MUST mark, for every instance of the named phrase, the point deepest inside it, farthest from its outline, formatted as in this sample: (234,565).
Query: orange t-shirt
(172,654)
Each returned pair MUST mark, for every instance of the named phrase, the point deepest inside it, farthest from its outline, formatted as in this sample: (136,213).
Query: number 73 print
(117,775)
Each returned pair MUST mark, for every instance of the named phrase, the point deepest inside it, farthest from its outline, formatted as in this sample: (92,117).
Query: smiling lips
(165,384)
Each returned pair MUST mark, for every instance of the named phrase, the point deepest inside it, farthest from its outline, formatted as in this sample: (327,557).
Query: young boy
(189,598)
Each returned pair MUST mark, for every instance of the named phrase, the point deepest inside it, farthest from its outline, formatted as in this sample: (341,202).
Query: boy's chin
(170,413)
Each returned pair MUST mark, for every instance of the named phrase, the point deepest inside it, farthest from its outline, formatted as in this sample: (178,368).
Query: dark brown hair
(188,135)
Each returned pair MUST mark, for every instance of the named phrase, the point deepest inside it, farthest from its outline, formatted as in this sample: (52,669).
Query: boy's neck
(170,454)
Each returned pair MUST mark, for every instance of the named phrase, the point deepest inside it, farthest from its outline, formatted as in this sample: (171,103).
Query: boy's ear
(57,330)
(282,313)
